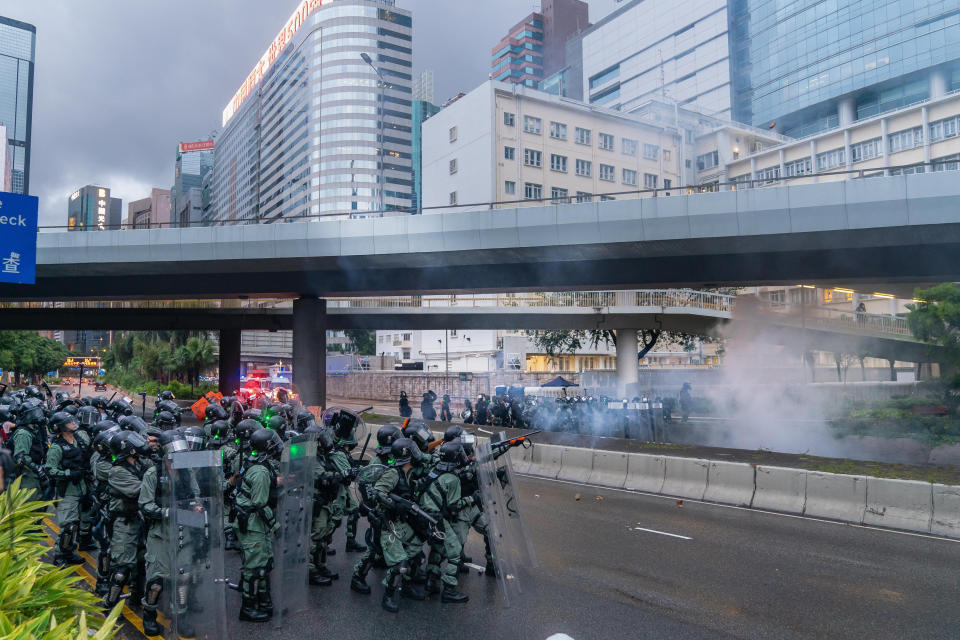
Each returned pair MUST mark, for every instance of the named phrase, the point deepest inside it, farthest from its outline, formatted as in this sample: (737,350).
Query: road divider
(780,489)
(545,460)
(609,469)
(899,504)
(575,464)
(645,472)
(946,511)
(730,483)
(686,477)
(836,496)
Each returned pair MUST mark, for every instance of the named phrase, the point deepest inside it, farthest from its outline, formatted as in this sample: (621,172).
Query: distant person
(405,410)
(427,410)
(861,314)
(467,414)
(686,401)
(445,414)
(482,405)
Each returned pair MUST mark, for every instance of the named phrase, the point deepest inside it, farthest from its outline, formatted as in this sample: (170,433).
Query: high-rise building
(194,162)
(423,88)
(17,54)
(6,163)
(811,67)
(322,124)
(152,212)
(91,208)
(422,110)
(535,47)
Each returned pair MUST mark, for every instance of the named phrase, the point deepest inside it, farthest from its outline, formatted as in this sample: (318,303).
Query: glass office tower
(315,130)
(809,66)
(17,55)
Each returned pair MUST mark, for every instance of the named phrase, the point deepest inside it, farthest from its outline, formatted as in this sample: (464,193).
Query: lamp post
(366,58)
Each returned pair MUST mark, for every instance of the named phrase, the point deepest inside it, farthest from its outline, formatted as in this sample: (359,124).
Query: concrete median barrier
(575,464)
(645,472)
(780,489)
(609,469)
(946,511)
(836,496)
(899,504)
(545,460)
(730,483)
(520,458)
(686,477)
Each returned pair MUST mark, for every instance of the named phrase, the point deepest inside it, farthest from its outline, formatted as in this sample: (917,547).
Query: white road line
(750,509)
(663,533)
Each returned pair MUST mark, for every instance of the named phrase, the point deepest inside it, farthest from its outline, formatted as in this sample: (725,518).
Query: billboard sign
(205,145)
(86,363)
(18,238)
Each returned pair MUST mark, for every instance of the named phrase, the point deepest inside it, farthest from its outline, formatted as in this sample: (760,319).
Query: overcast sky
(120,82)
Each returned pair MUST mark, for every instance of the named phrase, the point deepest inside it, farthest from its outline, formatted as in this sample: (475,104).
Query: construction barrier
(686,477)
(545,460)
(835,496)
(730,483)
(575,464)
(609,469)
(645,472)
(946,511)
(899,504)
(780,489)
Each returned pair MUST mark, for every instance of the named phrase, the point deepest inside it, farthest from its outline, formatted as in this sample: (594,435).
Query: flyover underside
(888,255)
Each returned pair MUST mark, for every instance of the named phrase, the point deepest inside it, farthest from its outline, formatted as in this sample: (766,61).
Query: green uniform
(124,490)
(29,452)
(331,479)
(441,497)
(471,515)
(230,463)
(100,466)
(398,540)
(67,466)
(155,555)
(255,502)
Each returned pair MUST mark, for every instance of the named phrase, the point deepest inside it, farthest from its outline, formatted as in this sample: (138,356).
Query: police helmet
(132,423)
(30,416)
(87,416)
(127,444)
(246,429)
(104,425)
(102,440)
(417,431)
(33,391)
(215,412)
(61,421)
(72,409)
(166,420)
(166,395)
(277,423)
(314,430)
(402,451)
(173,442)
(219,431)
(304,420)
(100,403)
(61,396)
(387,435)
(326,440)
(344,424)
(452,433)
(265,443)
(452,456)
(120,408)
(170,406)
(196,438)
(252,414)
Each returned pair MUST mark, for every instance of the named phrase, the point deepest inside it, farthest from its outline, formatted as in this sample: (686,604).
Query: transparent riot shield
(194,596)
(348,426)
(291,545)
(511,547)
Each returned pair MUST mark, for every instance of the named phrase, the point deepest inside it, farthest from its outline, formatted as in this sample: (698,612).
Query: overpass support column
(310,350)
(229,361)
(627,366)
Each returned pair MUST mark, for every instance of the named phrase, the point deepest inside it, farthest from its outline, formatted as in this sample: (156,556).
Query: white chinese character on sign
(12,264)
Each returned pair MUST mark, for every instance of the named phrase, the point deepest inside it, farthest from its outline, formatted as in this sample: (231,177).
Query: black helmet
(166,420)
(129,443)
(5,413)
(61,397)
(290,434)
(344,424)
(132,423)
(452,456)
(252,414)
(403,451)
(72,409)
(33,391)
(102,441)
(104,425)
(387,435)
(173,442)
(246,429)
(87,416)
(417,431)
(30,416)
(100,403)
(215,412)
(304,420)
(87,401)
(236,412)
(314,430)
(326,440)
(277,423)
(265,444)
(60,420)
(168,405)
(166,395)
(120,408)
(219,431)
(452,433)
(196,438)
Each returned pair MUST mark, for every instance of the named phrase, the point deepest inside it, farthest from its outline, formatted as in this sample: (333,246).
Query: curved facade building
(315,130)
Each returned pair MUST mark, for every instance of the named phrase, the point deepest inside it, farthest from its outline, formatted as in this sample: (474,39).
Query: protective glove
(76,475)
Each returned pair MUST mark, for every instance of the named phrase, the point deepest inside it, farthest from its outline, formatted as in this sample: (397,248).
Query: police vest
(38,448)
(130,506)
(74,455)
(403,488)
(274,498)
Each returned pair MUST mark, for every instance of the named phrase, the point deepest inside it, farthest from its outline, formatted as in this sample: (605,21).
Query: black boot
(433,585)
(331,551)
(249,608)
(263,596)
(450,594)
(150,625)
(358,582)
(87,543)
(412,591)
(353,545)
(322,576)
(391,595)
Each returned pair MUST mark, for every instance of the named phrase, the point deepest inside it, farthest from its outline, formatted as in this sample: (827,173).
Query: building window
(649,181)
(453,197)
(558,130)
(606,198)
(406,337)
(666,155)
(799,167)
(608,173)
(667,183)
(558,195)
(630,177)
(558,163)
(650,151)
(943,129)
(510,187)
(509,119)
(768,175)
(584,168)
(866,150)
(629,147)
(453,333)
(532,191)
(605,141)
(906,171)
(453,134)
(582,135)
(830,159)
(532,158)
(708,161)
(453,166)
(532,125)
(583,196)
(903,140)
(509,153)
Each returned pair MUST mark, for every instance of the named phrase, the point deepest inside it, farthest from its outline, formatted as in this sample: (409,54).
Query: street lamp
(366,58)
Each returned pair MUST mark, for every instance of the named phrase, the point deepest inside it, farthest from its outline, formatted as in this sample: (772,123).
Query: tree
(554,343)
(364,342)
(935,318)
(196,356)
(27,353)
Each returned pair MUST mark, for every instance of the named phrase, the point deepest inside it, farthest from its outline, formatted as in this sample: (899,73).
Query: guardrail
(859,322)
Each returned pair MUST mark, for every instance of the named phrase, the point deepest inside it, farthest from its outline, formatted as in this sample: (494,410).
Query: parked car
(100,385)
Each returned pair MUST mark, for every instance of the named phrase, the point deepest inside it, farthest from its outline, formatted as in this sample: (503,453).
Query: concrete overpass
(881,229)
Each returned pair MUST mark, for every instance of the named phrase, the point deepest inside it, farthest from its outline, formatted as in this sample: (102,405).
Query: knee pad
(153,590)
(121,576)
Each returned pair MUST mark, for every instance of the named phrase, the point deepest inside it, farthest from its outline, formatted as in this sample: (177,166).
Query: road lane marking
(750,509)
(663,533)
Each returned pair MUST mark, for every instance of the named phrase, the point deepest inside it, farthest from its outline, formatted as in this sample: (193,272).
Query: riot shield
(511,547)
(347,422)
(291,546)
(194,595)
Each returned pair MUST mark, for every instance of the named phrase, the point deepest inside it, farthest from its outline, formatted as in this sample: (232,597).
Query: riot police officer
(101,462)
(68,466)
(440,495)
(332,475)
(30,448)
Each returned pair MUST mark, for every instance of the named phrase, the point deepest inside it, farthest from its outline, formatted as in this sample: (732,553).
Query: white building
(471,350)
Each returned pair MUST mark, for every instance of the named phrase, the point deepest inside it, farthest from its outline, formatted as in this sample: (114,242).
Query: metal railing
(859,322)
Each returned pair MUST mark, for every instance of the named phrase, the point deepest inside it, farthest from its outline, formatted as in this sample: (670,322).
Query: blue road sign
(18,238)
